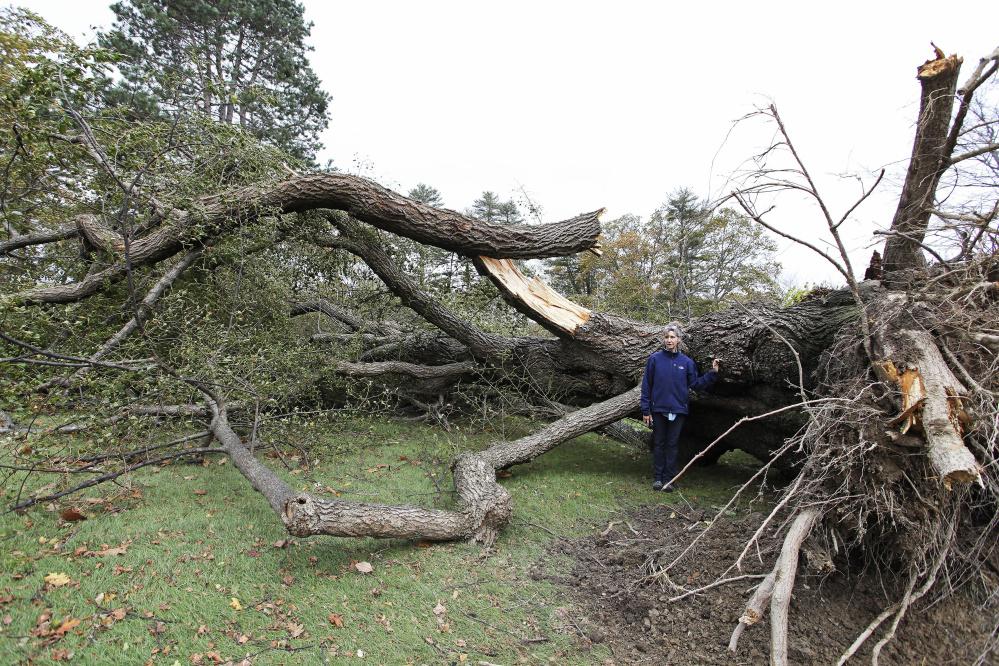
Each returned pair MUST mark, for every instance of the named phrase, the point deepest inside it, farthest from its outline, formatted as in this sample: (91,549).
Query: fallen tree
(888,447)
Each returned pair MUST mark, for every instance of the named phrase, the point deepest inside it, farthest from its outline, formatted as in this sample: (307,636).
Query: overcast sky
(587,105)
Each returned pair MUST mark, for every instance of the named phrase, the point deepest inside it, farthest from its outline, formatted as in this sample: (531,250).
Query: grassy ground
(186,564)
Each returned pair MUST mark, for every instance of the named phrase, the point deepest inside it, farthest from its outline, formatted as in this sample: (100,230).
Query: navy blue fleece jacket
(669,378)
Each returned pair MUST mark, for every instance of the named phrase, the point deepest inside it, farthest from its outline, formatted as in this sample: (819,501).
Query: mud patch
(639,619)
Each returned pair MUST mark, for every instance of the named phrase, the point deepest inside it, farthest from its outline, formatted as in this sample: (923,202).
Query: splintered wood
(932,403)
(538,296)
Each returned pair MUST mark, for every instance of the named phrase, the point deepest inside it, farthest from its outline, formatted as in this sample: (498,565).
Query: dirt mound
(642,621)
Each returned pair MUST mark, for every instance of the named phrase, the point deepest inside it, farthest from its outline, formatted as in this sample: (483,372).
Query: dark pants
(665,445)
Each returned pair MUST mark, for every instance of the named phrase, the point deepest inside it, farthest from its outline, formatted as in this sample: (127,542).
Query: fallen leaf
(197,657)
(439,608)
(235,604)
(79,551)
(460,643)
(223,461)
(120,550)
(294,629)
(189,478)
(7,619)
(67,625)
(57,579)
(364,567)
(281,544)
(462,657)
(118,613)
(253,553)
(336,619)
(200,492)
(94,500)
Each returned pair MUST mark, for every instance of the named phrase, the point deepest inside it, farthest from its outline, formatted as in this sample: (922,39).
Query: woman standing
(669,378)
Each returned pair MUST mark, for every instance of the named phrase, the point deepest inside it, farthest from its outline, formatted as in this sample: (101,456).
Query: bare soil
(636,620)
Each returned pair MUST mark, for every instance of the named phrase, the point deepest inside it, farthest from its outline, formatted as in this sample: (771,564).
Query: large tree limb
(39,238)
(485,505)
(363,199)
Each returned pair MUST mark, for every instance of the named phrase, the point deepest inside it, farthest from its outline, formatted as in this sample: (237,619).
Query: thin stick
(717,583)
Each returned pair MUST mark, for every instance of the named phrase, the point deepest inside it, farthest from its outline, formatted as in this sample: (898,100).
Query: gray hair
(675,328)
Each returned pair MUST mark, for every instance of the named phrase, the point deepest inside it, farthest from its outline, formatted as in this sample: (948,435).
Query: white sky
(598,104)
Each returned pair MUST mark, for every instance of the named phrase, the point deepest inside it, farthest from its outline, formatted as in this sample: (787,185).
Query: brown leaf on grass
(253,553)
(79,551)
(364,567)
(7,619)
(118,613)
(295,629)
(68,624)
(200,492)
(94,500)
(439,608)
(215,655)
(202,629)
(120,550)
(281,543)
(197,658)
(336,619)
(6,599)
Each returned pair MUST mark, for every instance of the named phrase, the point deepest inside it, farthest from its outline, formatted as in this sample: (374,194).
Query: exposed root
(785,570)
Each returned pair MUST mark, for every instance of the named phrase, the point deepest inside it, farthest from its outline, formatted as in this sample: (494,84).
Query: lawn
(186,564)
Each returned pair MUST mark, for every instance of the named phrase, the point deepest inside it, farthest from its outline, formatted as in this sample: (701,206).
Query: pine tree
(238,61)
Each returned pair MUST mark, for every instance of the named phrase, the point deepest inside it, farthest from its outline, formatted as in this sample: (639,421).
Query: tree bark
(931,151)
(363,199)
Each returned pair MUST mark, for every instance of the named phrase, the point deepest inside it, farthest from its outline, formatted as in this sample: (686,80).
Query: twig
(717,583)
(110,476)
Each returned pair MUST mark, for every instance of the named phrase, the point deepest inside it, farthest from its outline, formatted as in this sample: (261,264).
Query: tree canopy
(237,61)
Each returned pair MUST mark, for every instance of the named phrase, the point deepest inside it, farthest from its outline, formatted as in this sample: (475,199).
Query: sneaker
(657,485)
(668,488)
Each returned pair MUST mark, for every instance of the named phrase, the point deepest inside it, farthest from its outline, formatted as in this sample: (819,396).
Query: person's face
(671,341)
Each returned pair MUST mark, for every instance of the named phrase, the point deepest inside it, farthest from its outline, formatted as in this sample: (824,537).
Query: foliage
(489,208)
(681,263)
(236,61)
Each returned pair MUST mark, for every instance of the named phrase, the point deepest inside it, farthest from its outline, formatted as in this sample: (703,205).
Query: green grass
(200,579)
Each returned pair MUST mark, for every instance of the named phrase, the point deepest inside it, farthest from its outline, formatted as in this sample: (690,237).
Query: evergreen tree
(426,194)
(237,61)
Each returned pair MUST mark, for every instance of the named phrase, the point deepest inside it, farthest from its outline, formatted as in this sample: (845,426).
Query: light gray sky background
(597,104)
